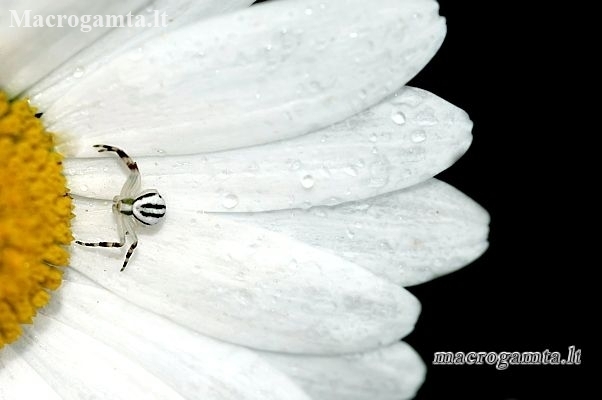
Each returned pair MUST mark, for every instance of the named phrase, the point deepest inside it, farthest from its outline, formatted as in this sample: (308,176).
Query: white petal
(274,71)
(77,366)
(191,364)
(29,53)
(20,380)
(364,156)
(179,13)
(408,237)
(390,373)
(245,284)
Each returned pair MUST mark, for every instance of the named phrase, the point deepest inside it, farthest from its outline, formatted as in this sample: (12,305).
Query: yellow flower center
(35,216)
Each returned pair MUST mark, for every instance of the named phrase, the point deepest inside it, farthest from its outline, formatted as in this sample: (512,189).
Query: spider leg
(100,244)
(121,242)
(129,229)
(132,184)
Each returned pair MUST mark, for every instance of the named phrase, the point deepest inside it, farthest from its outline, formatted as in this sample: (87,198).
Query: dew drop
(350,170)
(398,117)
(295,165)
(379,173)
(418,136)
(307,182)
(309,11)
(78,72)
(384,245)
(353,35)
(319,212)
(229,201)
(427,117)
(83,188)
(136,55)
(333,201)
(350,234)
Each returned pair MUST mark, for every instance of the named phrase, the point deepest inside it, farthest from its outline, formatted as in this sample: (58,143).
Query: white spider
(147,207)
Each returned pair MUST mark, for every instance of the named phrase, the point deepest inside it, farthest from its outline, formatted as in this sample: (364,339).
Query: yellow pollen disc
(35,217)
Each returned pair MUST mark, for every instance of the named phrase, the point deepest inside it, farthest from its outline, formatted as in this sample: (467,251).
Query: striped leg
(101,244)
(121,243)
(129,226)
(132,185)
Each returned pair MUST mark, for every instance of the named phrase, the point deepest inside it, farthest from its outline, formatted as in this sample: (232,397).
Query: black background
(501,62)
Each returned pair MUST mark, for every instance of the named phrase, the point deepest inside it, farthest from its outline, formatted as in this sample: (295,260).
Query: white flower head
(297,172)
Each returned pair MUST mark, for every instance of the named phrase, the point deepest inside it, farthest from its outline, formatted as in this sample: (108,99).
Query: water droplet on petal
(427,117)
(230,201)
(78,72)
(306,205)
(350,170)
(136,55)
(379,173)
(319,211)
(307,181)
(84,188)
(295,165)
(418,136)
(308,11)
(398,117)
(384,245)
(350,234)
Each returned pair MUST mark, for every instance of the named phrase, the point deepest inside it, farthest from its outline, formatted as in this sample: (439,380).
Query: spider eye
(149,207)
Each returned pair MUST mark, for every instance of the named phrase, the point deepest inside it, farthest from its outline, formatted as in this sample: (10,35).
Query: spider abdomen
(149,207)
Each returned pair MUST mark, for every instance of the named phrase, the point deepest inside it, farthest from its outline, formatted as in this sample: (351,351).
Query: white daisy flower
(298,182)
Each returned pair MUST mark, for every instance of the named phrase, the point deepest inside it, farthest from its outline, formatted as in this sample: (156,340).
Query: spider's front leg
(132,185)
(127,160)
